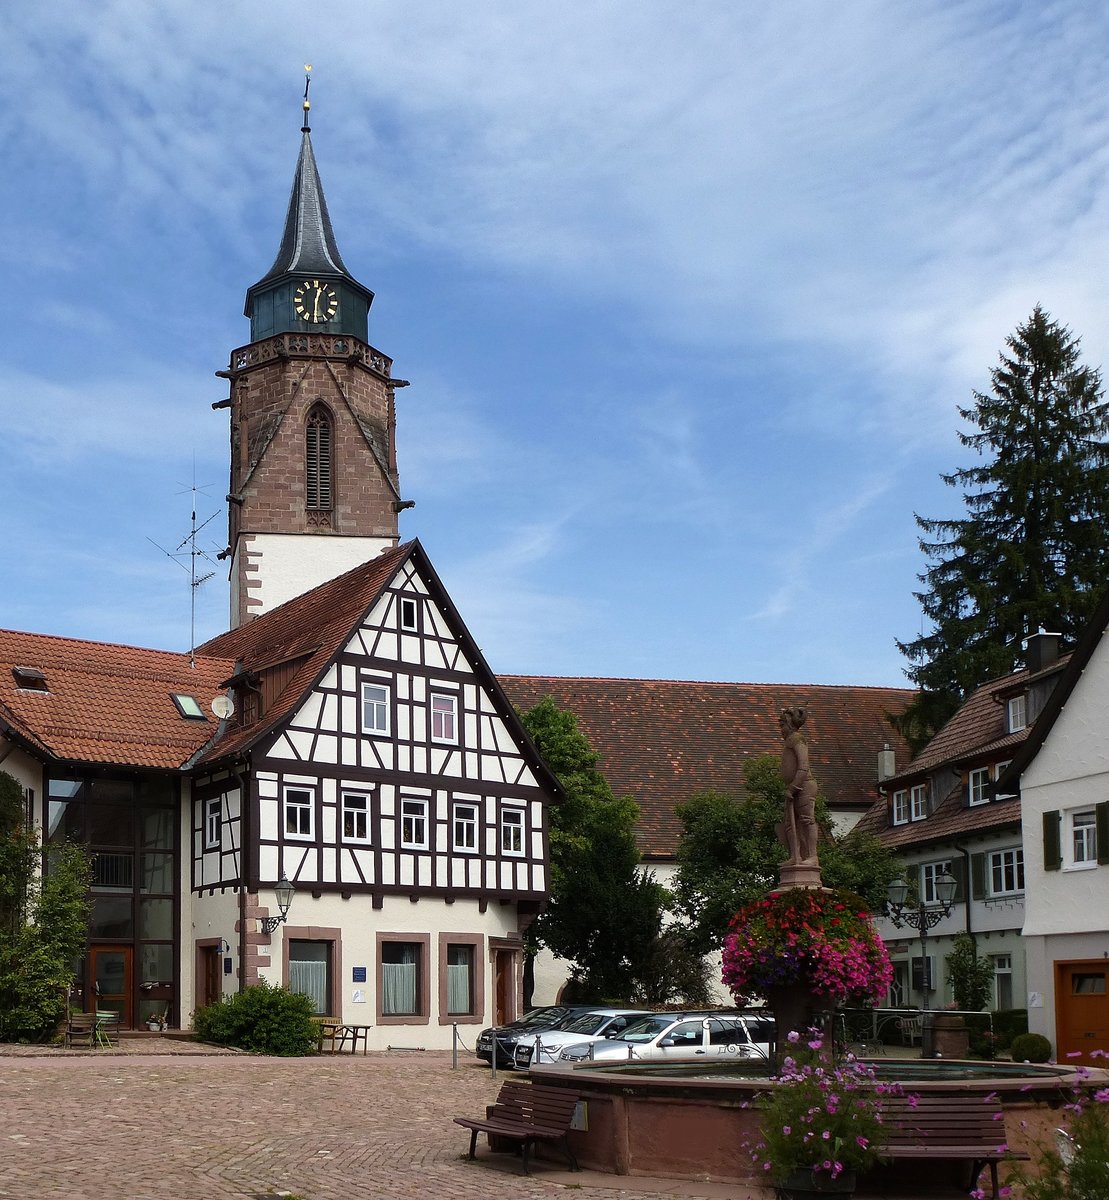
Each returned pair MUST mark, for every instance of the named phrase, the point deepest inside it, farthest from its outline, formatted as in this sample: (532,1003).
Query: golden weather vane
(307,103)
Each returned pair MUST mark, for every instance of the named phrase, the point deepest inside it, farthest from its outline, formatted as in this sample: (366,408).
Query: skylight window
(188,706)
(30,679)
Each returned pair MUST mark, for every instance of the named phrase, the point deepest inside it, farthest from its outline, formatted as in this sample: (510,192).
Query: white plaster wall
(27,771)
(289,564)
(360,924)
(205,916)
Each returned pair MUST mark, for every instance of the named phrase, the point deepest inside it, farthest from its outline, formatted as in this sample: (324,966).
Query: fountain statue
(798,830)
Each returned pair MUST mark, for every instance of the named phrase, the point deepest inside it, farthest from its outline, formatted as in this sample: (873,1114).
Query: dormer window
(919,801)
(901,808)
(978,785)
(188,706)
(29,679)
(1018,713)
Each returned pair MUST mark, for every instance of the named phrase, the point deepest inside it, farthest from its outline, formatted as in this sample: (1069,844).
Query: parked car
(590,1026)
(535,1021)
(685,1035)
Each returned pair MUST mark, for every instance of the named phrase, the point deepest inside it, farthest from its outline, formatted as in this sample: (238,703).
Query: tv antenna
(188,550)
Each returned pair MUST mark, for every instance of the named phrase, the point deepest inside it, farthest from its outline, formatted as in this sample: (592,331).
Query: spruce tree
(1032,551)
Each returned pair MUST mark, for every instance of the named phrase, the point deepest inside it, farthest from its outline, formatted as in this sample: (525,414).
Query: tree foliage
(729,854)
(1031,551)
(971,975)
(605,911)
(43,923)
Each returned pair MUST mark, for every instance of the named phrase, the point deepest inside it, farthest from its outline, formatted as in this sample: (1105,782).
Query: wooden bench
(527,1113)
(948,1127)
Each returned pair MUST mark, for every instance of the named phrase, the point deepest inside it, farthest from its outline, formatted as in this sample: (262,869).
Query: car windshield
(589,1023)
(645,1029)
(539,1016)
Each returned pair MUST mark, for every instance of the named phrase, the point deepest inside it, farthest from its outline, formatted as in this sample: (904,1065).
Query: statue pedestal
(803,875)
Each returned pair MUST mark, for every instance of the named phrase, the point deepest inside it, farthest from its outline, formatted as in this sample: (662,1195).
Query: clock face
(315,301)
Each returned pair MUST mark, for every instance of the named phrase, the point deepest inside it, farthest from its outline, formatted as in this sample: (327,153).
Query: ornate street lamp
(284,893)
(920,916)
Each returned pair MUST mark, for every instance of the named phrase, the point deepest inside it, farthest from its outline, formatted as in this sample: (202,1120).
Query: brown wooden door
(213,976)
(112,982)
(1082,1011)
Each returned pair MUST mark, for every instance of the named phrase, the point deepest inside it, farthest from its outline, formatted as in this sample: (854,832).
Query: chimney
(887,763)
(1041,650)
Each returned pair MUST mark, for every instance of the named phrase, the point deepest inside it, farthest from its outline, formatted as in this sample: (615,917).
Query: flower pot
(807,1184)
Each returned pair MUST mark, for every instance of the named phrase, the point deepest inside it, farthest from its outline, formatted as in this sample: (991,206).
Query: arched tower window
(319,460)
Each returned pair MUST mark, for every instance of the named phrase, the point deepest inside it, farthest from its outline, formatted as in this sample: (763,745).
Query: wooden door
(213,976)
(112,982)
(1082,1011)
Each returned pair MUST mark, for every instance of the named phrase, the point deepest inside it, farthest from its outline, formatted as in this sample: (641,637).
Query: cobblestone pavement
(164,1122)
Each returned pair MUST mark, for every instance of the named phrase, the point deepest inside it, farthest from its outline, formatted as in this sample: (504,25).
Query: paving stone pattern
(118,1125)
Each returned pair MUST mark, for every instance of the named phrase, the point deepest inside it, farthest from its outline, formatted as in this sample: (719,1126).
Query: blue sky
(688,296)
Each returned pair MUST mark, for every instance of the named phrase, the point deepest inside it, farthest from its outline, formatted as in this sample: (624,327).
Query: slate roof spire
(308,248)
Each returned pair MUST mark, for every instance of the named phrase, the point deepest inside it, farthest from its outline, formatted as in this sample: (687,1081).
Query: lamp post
(920,916)
(284,893)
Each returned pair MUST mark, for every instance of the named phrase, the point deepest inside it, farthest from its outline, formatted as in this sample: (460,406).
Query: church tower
(314,484)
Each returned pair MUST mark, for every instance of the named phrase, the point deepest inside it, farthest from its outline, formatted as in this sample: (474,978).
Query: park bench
(526,1113)
(947,1127)
(327,1031)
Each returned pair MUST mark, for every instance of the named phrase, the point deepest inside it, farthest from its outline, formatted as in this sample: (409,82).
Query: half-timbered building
(363,751)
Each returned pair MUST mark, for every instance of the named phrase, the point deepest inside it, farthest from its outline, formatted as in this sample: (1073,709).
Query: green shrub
(982,1043)
(262,1019)
(1007,1023)
(1030,1047)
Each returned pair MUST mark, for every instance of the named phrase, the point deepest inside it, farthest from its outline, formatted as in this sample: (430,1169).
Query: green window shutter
(1101,825)
(959,874)
(1053,853)
(978,876)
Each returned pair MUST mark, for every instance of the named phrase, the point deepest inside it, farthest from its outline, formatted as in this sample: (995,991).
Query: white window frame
(304,809)
(443,713)
(1017,713)
(1005,872)
(464,826)
(213,823)
(1082,839)
(357,804)
(512,831)
(901,807)
(929,876)
(918,802)
(409,618)
(978,782)
(375,709)
(413,823)
(1002,969)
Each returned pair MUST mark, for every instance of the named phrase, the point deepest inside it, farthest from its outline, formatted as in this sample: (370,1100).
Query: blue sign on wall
(359,974)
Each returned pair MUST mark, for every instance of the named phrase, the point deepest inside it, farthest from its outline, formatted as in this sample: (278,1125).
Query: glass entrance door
(110,970)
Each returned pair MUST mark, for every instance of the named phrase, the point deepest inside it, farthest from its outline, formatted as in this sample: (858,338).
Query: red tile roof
(311,627)
(662,741)
(106,703)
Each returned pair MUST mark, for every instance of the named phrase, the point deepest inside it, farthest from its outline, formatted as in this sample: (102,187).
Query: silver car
(547,1045)
(683,1036)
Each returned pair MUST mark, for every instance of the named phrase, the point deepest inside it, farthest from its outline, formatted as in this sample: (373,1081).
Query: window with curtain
(310,972)
(460,980)
(400,978)
(318,459)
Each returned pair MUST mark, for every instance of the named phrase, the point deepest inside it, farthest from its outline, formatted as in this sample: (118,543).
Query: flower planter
(807,1184)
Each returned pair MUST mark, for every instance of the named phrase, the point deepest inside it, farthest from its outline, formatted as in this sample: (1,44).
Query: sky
(689,297)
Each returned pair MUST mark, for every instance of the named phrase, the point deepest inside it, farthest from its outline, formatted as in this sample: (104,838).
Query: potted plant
(821,1123)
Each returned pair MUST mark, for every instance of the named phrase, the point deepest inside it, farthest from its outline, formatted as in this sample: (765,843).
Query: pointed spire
(308,247)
